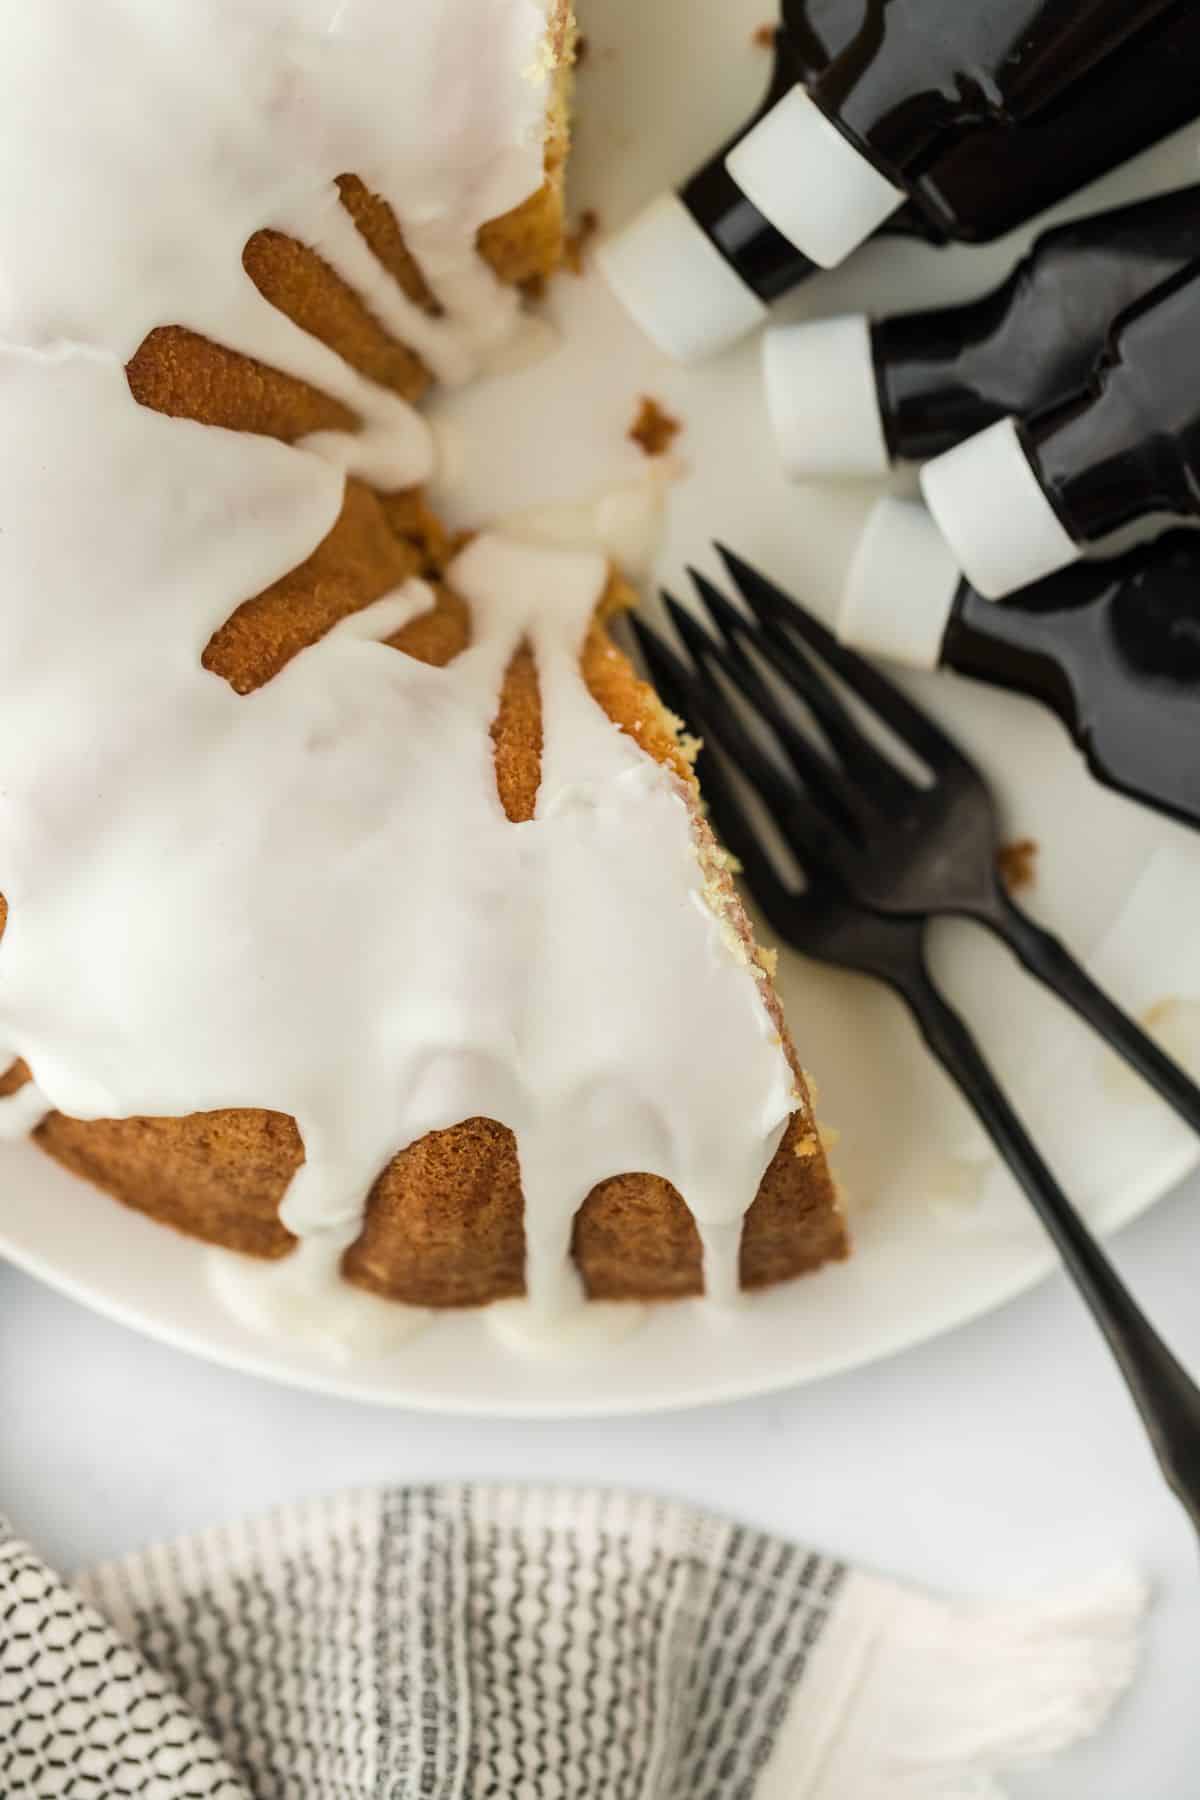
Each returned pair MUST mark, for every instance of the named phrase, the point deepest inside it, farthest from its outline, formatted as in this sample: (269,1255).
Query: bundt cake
(356,891)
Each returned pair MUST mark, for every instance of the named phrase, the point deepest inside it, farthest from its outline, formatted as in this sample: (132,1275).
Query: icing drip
(523,1327)
(164,867)
(309,899)
(303,1298)
(247,114)
(625,521)
(22,1112)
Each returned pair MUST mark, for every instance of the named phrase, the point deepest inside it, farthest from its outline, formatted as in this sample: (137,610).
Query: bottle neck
(909,83)
(1028,643)
(1114,649)
(986,185)
(759,255)
(945,374)
(936,382)
(1010,649)
(1129,447)
(817,31)
(756,252)
(698,271)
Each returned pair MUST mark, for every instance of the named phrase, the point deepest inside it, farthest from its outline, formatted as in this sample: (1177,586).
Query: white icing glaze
(22,1112)
(309,899)
(141,145)
(625,520)
(522,1326)
(302,1299)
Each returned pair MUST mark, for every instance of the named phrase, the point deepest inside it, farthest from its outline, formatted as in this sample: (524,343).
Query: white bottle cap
(823,399)
(990,508)
(899,592)
(676,284)
(825,196)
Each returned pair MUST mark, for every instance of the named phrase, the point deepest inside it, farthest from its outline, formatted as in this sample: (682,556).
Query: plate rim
(628,169)
(1172,1169)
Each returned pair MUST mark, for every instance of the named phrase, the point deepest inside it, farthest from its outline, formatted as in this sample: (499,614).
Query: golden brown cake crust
(444,1223)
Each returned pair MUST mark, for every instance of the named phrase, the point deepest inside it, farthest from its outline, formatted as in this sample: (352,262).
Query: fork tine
(826,783)
(729,656)
(776,899)
(881,782)
(729,621)
(692,694)
(781,652)
(701,646)
(672,679)
(736,834)
(771,604)
(780,792)
(764,598)
(670,675)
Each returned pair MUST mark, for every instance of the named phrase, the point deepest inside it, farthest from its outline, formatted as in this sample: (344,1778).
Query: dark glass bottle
(945,374)
(1113,648)
(984,185)
(1021,499)
(995,179)
(1129,445)
(918,76)
(848,397)
(817,31)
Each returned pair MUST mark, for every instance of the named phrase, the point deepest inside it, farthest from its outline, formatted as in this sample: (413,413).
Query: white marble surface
(1002,1455)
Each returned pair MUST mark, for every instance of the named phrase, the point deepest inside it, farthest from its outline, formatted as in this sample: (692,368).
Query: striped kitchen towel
(457,1643)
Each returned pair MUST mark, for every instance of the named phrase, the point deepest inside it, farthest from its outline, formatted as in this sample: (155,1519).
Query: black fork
(880,856)
(928,850)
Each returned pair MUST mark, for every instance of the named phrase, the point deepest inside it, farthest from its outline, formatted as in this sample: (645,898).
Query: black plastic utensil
(880,856)
(920,849)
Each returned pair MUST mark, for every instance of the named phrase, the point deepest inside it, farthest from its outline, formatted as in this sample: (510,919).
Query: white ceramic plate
(940,1234)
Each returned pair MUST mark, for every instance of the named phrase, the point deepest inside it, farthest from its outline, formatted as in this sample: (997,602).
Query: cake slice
(358,891)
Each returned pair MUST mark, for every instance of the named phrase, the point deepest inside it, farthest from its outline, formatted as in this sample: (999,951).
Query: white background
(1000,1457)
(1004,1455)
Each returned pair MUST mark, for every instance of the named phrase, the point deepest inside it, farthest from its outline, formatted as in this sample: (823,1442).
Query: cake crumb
(763,37)
(582,47)
(807,1146)
(1017,864)
(576,242)
(1156,1015)
(768,962)
(653,429)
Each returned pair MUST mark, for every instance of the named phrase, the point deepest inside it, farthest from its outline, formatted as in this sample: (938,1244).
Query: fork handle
(1165,1394)
(1053,965)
